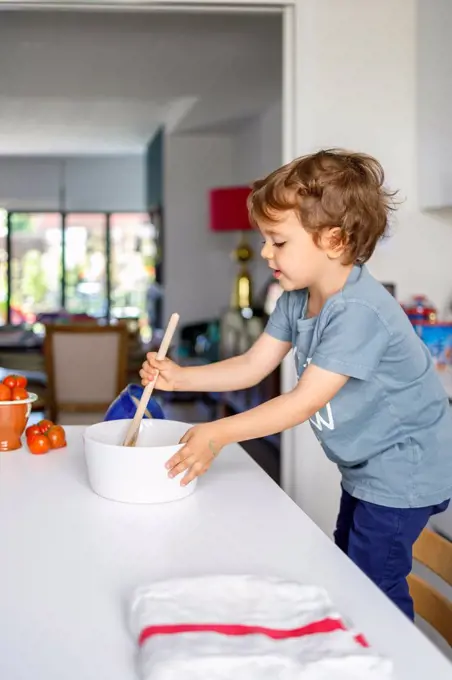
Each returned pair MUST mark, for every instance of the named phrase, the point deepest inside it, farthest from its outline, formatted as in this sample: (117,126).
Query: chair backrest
(435,553)
(86,366)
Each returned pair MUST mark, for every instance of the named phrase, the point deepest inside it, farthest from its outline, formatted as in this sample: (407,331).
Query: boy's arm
(315,389)
(352,344)
(236,373)
(204,441)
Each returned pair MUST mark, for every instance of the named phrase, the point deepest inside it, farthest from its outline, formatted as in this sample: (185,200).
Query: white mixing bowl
(135,474)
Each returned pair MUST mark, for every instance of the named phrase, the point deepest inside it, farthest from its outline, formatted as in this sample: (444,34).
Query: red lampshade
(228,209)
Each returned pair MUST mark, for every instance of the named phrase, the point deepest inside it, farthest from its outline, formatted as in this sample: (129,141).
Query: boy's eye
(279,245)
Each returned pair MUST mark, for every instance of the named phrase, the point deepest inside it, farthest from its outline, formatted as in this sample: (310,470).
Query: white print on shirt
(318,421)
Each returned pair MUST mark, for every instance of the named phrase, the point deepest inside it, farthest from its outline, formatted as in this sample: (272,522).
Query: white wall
(357,88)
(258,145)
(29,183)
(198,271)
(106,183)
(434,100)
(257,151)
(109,183)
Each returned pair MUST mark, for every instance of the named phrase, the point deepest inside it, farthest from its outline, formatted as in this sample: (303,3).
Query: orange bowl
(13,421)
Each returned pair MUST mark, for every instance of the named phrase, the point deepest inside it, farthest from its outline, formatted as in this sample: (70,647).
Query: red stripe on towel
(361,640)
(325,626)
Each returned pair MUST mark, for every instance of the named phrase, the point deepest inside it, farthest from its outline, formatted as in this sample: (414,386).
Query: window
(100,264)
(35,260)
(3,267)
(85,264)
(132,264)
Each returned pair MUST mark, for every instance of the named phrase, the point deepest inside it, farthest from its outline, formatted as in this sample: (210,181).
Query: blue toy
(125,405)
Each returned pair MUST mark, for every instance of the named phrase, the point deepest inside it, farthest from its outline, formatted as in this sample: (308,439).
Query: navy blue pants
(379,540)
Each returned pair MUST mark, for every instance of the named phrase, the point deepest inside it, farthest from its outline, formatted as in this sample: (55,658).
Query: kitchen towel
(246,628)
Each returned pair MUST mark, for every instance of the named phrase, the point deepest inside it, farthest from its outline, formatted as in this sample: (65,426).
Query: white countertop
(69,561)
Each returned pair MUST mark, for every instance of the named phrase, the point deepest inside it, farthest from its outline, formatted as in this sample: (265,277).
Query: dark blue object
(125,405)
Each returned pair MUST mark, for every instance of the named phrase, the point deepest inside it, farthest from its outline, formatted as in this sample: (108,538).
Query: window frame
(155,215)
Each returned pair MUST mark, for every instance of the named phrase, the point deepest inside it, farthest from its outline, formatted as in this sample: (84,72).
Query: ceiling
(94,83)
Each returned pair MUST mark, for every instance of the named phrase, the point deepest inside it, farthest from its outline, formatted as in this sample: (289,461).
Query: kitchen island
(70,561)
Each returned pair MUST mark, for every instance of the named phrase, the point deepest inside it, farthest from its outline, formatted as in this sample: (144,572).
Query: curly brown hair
(330,188)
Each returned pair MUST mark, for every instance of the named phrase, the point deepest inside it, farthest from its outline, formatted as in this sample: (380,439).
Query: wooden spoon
(132,433)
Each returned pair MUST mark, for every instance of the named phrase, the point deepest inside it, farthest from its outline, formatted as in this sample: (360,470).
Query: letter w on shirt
(319,422)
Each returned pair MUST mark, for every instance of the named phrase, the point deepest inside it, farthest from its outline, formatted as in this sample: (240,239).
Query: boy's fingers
(177,458)
(186,437)
(154,362)
(182,466)
(195,470)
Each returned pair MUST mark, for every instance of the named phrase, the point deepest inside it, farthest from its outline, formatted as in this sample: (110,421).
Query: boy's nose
(266,251)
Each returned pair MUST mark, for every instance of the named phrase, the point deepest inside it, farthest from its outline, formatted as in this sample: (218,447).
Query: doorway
(290,135)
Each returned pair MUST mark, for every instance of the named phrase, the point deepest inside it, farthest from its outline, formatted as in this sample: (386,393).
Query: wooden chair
(86,369)
(435,553)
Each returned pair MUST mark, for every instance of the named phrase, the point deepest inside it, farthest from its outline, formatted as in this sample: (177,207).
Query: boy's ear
(332,242)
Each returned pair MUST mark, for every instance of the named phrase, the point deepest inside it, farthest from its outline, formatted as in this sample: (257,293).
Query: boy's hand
(169,372)
(202,446)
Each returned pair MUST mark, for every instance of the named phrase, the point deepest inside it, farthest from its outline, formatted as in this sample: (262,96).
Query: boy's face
(290,251)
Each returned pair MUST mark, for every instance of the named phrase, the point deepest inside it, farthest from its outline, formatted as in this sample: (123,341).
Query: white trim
(18,402)
(288,84)
(156,9)
(289,125)
(150,5)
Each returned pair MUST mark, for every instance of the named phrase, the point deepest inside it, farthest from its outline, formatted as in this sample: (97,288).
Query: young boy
(365,380)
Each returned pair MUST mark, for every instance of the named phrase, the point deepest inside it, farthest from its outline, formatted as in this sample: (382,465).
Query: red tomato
(21,381)
(5,392)
(39,444)
(32,431)
(45,425)
(18,393)
(10,381)
(57,437)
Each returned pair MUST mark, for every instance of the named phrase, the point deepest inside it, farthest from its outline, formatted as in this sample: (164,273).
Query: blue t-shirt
(389,429)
